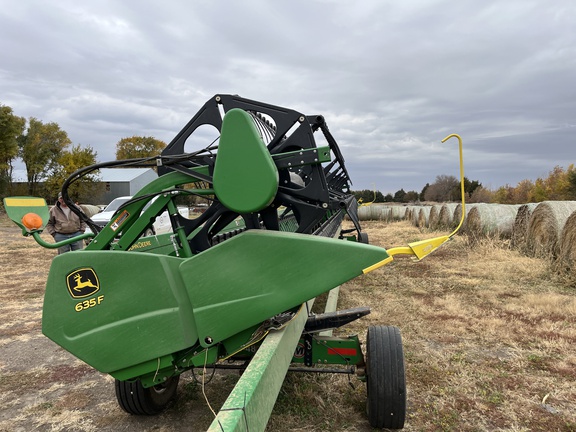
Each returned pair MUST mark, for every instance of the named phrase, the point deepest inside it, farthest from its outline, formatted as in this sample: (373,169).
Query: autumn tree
(504,195)
(138,147)
(85,190)
(523,192)
(11,127)
(481,195)
(442,189)
(557,184)
(539,193)
(40,148)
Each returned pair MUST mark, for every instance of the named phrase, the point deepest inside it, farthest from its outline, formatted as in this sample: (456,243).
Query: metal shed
(124,181)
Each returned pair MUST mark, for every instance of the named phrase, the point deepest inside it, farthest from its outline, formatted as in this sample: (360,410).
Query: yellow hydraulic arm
(422,248)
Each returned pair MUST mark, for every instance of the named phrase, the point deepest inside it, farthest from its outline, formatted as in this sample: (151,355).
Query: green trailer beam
(250,403)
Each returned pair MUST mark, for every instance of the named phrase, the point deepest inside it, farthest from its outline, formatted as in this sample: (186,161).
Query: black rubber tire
(136,399)
(385,378)
(148,233)
(363,238)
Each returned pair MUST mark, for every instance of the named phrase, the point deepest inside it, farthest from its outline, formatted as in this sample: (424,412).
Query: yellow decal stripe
(24,202)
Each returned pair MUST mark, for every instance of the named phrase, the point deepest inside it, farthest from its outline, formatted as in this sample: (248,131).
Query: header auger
(146,309)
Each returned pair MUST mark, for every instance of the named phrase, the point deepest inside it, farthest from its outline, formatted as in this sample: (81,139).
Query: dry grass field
(489,339)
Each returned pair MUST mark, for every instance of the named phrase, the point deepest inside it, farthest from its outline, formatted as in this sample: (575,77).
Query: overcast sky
(391,78)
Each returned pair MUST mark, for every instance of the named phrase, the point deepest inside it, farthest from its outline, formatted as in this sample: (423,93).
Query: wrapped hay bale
(458,215)
(414,213)
(520,227)
(434,216)
(446,216)
(491,220)
(545,227)
(89,210)
(566,260)
(409,212)
(397,212)
(423,215)
(377,212)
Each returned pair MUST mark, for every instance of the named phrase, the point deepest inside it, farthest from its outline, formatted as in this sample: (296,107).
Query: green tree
(423,193)
(411,196)
(85,190)
(399,195)
(11,127)
(571,182)
(40,148)
(469,188)
(368,196)
(138,147)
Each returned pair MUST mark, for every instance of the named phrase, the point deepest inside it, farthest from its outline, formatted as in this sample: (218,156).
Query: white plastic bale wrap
(373,212)
(491,220)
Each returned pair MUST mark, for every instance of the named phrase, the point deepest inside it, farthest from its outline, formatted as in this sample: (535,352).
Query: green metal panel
(115,310)
(245,176)
(258,274)
(17,207)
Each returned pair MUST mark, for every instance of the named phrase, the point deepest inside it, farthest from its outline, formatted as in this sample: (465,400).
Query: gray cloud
(391,78)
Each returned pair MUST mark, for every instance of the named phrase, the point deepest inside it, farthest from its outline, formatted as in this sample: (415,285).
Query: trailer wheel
(136,399)
(363,238)
(385,380)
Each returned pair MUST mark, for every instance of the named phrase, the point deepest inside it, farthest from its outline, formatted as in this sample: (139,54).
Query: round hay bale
(520,227)
(409,212)
(458,215)
(423,215)
(414,212)
(89,210)
(377,212)
(397,212)
(491,220)
(566,260)
(446,216)
(545,227)
(434,216)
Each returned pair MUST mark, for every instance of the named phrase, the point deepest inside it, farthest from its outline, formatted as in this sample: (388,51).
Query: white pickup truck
(161,224)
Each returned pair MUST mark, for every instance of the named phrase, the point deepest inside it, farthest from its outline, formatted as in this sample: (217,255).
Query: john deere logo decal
(82,283)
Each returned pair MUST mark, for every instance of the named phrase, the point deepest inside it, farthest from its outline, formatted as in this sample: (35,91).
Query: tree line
(50,157)
(559,185)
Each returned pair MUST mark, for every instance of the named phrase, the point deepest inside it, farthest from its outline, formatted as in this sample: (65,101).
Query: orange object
(32,221)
